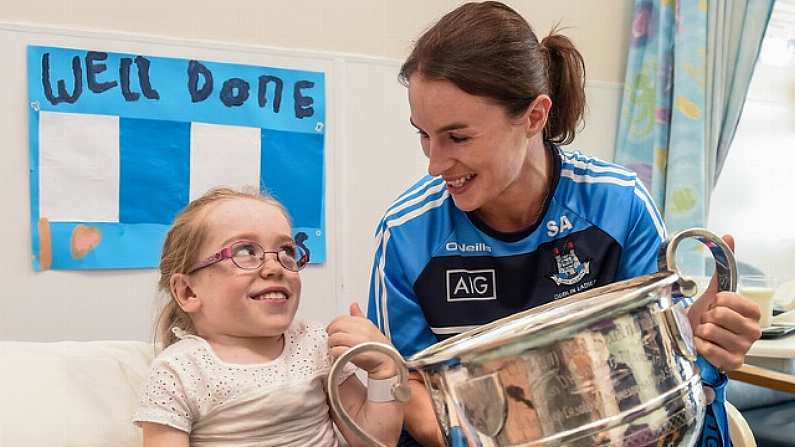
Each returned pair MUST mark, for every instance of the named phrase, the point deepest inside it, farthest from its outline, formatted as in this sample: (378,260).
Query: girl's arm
(381,420)
(159,435)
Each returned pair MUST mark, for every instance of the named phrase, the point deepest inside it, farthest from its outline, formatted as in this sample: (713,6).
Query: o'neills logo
(468,248)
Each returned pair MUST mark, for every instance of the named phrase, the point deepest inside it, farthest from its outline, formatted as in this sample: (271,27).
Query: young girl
(237,370)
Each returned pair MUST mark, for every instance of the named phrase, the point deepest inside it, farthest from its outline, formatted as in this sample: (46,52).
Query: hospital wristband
(380,390)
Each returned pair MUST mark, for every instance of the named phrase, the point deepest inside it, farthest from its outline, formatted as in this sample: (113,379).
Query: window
(754,198)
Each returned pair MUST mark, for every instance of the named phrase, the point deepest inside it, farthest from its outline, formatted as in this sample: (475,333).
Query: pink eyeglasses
(251,256)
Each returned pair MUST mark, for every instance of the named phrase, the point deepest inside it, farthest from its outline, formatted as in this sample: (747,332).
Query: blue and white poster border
(119,143)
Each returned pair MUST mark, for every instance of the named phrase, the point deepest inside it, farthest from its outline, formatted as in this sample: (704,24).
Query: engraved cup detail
(484,403)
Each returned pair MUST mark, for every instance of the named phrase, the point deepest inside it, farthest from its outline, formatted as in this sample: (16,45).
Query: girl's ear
(183,293)
(537,114)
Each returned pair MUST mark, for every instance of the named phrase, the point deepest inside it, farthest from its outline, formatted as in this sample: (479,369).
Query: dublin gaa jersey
(439,271)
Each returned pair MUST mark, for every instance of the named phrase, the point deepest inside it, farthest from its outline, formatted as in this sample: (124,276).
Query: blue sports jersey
(439,271)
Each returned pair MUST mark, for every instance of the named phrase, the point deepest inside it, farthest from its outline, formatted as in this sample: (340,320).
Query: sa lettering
(554,228)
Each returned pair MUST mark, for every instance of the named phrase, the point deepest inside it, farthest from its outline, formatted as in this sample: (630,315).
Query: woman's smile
(459,185)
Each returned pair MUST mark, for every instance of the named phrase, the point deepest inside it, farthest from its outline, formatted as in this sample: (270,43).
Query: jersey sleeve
(392,304)
(163,399)
(645,233)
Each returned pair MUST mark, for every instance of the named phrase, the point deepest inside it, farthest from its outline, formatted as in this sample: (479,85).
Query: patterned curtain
(661,133)
(688,70)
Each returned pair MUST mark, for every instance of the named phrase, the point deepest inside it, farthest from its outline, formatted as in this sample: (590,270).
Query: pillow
(71,393)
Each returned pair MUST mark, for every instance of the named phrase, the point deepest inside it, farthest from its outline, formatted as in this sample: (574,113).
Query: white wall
(371,164)
(383,28)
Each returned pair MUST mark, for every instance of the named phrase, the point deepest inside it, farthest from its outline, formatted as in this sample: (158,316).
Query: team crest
(570,269)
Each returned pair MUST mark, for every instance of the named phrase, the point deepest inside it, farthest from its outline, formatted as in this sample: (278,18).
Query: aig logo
(471,285)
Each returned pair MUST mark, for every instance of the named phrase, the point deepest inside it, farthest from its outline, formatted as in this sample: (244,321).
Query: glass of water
(759,289)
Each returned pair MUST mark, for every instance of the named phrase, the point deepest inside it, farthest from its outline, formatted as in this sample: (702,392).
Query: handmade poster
(120,143)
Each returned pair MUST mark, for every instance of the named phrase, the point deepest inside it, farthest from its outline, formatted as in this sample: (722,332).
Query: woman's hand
(725,324)
(347,331)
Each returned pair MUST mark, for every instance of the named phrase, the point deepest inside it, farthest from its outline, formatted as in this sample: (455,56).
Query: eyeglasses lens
(248,255)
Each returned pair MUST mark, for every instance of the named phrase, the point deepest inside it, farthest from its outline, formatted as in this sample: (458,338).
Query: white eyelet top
(279,403)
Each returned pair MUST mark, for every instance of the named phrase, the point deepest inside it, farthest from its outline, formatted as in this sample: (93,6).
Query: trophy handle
(400,391)
(725,264)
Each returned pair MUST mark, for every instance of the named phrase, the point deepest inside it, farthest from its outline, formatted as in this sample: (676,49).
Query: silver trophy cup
(612,366)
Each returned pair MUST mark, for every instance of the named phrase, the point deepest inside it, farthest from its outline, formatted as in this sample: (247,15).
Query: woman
(506,220)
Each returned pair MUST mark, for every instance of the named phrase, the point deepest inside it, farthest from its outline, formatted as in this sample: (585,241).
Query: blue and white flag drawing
(120,143)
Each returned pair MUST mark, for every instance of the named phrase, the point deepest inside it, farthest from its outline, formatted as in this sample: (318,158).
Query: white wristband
(380,390)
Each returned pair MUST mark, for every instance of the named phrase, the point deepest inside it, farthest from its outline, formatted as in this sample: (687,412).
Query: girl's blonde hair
(181,251)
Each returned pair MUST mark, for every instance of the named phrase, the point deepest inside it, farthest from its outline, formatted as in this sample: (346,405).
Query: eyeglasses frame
(226,253)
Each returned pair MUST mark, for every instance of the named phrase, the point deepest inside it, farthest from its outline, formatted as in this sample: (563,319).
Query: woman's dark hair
(487,49)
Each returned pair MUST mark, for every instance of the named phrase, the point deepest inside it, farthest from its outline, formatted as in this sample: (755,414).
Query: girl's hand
(347,331)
